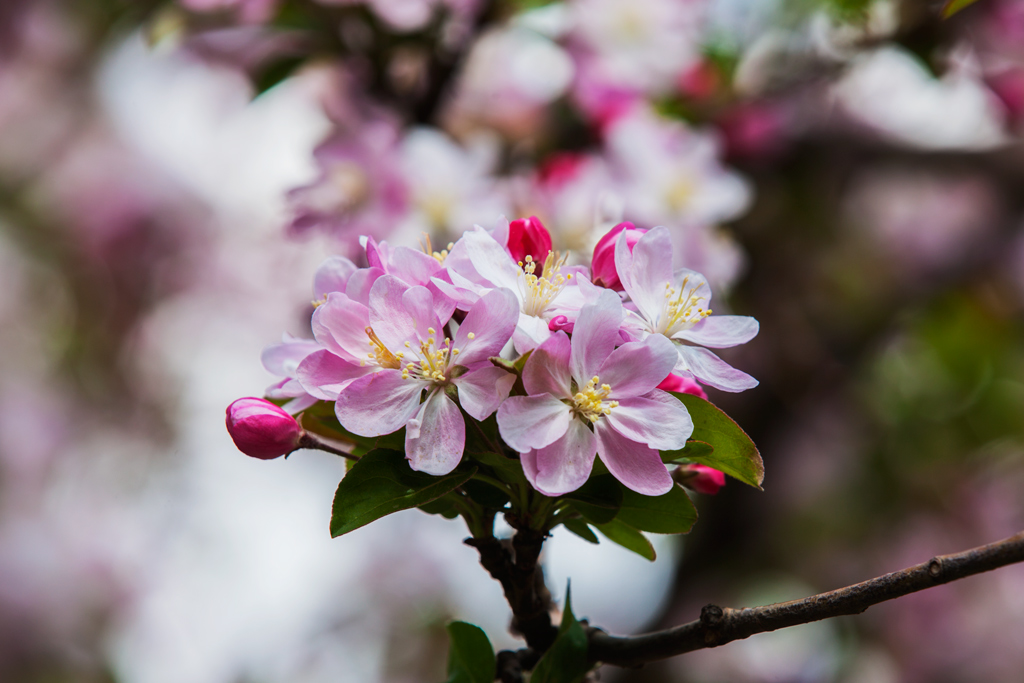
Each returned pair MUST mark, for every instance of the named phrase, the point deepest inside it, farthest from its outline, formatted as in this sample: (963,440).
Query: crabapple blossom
(545,288)
(283,360)
(261,429)
(586,398)
(602,264)
(675,304)
(411,356)
(528,237)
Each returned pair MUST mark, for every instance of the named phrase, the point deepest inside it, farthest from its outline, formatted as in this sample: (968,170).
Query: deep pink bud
(261,429)
(602,266)
(683,385)
(528,237)
(701,478)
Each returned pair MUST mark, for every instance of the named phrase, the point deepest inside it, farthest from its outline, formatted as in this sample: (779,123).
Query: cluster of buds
(574,361)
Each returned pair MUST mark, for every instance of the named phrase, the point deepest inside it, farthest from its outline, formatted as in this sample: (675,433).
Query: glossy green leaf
(566,659)
(734,453)
(598,500)
(694,449)
(382,483)
(672,513)
(628,537)
(953,6)
(506,469)
(442,506)
(581,529)
(470,655)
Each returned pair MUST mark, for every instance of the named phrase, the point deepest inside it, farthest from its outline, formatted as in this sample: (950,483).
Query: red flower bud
(528,237)
(682,385)
(261,429)
(700,478)
(602,266)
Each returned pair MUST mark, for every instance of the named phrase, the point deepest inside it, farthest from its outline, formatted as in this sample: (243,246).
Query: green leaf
(693,449)
(381,483)
(566,659)
(442,506)
(506,469)
(485,494)
(598,500)
(581,529)
(953,6)
(470,655)
(671,513)
(733,451)
(629,538)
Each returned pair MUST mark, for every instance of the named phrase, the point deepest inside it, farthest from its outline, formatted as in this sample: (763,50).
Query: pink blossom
(587,398)
(361,188)
(544,288)
(683,385)
(602,265)
(701,478)
(283,360)
(411,356)
(528,237)
(261,429)
(676,305)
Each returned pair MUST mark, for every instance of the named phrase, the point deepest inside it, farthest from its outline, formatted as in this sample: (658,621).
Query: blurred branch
(718,626)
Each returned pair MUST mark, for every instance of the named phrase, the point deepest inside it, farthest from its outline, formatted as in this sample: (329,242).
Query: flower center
(540,290)
(590,401)
(380,353)
(433,361)
(352,185)
(428,249)
(682,307)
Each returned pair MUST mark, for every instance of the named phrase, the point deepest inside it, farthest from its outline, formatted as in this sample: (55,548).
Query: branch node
(711,615)
(935,567)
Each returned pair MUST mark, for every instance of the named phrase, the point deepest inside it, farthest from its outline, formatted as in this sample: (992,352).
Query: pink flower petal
(325,375)
(482,391)
(531,331)
(547,369)
(634,369)
(712,370)
(721,331)
(646,270)
(360,283)
(491,321)
(658,420)
(490,260)
(435,438)
(379,403)
(595,335)
(400,313)
(332,276)
(638,467)
(340,326)
(283,359)
(528,422)
(683,385)
(565,465)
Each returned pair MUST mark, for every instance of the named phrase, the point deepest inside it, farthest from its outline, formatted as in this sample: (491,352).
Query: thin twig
(718,626)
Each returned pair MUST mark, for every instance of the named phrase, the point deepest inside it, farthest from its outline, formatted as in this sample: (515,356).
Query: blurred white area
(236,575)
(890,90)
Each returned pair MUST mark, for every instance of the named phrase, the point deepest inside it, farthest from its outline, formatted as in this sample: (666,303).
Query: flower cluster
(573,360)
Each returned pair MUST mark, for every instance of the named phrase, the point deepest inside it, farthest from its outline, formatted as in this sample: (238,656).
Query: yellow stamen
(589,402)
(383,357)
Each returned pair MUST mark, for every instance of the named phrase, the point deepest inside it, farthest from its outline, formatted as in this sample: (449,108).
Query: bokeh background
(850,172)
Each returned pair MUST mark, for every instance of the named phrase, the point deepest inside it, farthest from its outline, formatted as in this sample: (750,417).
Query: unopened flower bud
(682,385)
(261,429)
(700,478)
(528,237)
(602,266)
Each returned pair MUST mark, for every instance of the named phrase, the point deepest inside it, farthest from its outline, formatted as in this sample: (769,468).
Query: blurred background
(850,172)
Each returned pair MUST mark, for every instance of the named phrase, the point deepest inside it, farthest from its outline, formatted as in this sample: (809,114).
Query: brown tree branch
(718,626)
(514,565)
